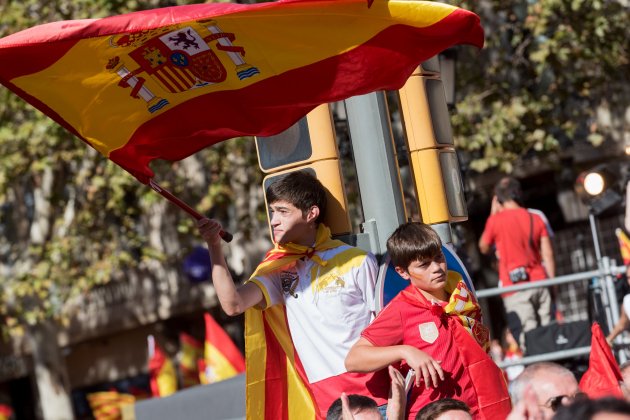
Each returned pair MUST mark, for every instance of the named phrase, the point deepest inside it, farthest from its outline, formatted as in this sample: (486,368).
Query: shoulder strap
(531,229)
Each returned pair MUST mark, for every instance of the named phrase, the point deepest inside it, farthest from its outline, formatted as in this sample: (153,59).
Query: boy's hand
(427,369)
(209,231)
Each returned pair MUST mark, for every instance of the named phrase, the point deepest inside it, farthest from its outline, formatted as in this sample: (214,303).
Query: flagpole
(226,236)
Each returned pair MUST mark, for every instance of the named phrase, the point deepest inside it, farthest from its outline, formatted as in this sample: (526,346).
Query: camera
(518,274)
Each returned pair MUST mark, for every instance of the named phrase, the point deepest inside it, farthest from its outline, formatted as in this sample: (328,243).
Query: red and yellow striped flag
(162,372)
(276,384)
(222,358)
(175,80)
(107,405)
(190,351)
(624,245)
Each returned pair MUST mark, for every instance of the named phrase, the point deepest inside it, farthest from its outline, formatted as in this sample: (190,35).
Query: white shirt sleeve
(271,286)
(367,275)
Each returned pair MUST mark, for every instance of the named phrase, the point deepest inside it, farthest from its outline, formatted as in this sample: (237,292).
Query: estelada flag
(107,405)
(190,351)
(161,372)
(624,245)
(222,359)
(165,83)
(603,376)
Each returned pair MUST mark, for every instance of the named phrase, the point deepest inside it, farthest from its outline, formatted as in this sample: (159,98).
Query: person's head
(445,409)
(508,189)
(553,384)
(298,203)
(361,407)
(416,252)
(608,408)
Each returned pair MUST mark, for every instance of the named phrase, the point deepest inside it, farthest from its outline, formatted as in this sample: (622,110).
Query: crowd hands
(543,391)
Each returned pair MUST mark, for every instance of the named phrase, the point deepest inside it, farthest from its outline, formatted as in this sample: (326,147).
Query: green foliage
(535,88)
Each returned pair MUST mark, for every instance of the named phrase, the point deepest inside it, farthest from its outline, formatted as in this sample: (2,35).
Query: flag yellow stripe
(255,360)
(291,27)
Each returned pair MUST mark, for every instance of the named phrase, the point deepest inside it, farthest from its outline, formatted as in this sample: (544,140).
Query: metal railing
(604,278)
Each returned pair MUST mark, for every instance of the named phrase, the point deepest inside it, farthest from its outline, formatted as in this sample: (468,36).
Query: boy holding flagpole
(305,306)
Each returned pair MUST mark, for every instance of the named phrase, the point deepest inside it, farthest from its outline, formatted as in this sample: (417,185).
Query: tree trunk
(51,375)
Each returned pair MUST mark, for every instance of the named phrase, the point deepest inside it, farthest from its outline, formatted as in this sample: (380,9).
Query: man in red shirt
(525,253)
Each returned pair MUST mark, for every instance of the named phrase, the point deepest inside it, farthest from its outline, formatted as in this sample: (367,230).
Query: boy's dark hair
(508,189)
(360,402)
(300,189)
(433,410)
(585,409)
(413,241)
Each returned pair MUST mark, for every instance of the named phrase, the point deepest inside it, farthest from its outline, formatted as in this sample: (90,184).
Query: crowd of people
(426,354)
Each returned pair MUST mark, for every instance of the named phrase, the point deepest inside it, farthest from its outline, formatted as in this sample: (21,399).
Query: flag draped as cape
(277,387)
(165,83)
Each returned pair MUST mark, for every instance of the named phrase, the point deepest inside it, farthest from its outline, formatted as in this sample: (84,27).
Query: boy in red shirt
(434,327)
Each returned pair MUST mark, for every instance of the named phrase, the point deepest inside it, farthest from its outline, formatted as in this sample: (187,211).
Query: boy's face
(428,275)
(289,224)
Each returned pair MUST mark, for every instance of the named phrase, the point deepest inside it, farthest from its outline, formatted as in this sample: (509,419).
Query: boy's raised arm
(234,300)
(365,357)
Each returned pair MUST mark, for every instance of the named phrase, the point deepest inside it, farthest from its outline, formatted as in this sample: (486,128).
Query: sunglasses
(555,402)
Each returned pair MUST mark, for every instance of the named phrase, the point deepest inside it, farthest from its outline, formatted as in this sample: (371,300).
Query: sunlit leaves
(545,70)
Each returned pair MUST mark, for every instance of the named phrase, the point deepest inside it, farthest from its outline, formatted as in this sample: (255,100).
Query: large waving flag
(161,371)
(165,83)
(603,377)
(222,358)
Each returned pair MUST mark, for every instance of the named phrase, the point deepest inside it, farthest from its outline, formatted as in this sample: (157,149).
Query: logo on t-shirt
(428,332)
(289,281)
(331,283)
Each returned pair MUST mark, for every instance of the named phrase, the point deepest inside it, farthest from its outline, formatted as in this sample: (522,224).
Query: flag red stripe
(296,92)
(276,386)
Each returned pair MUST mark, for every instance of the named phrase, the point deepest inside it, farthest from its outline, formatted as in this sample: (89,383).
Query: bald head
(548,381)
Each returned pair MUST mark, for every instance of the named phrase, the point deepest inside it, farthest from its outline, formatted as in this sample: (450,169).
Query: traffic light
(434,163)
(309,145)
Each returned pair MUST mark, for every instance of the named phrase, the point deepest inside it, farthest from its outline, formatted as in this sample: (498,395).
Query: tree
(71,220)
(553,73)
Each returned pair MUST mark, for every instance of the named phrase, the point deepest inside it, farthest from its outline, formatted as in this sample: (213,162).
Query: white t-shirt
(327,306)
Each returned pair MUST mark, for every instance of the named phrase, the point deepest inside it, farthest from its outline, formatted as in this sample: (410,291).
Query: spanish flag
(222,358)
(190,350)
(107,405)
(165,83)
(624,245)
(161,371)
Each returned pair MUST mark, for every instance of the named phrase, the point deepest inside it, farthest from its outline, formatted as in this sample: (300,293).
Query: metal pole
(609,298)
(375,161)
(593,223)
